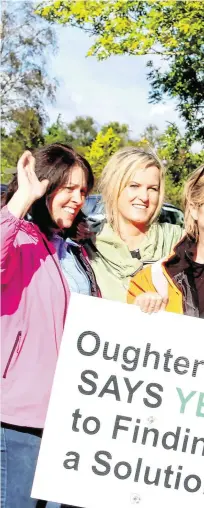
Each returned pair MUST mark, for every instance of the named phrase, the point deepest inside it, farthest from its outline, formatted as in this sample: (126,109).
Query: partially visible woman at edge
(177,283)
(38,264)
(132,186)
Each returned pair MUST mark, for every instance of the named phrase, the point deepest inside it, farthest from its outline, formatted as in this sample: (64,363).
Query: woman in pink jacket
(35,297)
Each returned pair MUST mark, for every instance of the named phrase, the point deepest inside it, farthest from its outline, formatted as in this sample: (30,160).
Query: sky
(112,90)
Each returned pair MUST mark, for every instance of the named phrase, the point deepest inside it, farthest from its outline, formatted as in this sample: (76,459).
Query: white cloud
(76,97)
(196,147)
(112,90)
(161,109)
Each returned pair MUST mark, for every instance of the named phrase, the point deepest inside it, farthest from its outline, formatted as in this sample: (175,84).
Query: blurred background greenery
(173,29)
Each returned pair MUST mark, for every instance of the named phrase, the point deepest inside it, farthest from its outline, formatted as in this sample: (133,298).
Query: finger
(137,300)
(151,304)
(164,303)
(158,304)
(44,185)
(31,164)
(23,161)
(145,306)
(142,301)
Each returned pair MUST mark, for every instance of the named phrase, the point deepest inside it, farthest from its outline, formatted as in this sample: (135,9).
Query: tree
(174,150)
(26,42)
(171,146)
(28,127)
(151,135)
(105,145)
(121,130)
(172,29)
(83,130)
(58,132)
(26,133)
(80,133)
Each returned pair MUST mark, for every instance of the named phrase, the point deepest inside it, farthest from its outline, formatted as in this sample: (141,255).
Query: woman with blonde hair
(178,282)
(132,187)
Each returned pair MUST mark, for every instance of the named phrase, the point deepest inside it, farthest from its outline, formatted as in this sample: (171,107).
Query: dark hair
(54,163)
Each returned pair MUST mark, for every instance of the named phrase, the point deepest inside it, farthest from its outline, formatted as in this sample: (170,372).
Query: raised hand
(28,182)
(29,187)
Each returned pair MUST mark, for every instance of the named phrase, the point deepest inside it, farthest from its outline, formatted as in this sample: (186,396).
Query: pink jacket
(35,298)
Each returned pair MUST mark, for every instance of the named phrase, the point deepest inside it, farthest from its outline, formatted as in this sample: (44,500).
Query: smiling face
(139,199)
(198,216)
(194,204)
(67,201)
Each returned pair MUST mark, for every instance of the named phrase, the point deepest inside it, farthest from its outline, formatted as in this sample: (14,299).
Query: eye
(154,189)
(134,185)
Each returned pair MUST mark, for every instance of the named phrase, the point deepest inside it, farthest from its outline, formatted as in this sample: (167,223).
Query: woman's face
(201,219)
(198,215)
(66,202)
(139,199)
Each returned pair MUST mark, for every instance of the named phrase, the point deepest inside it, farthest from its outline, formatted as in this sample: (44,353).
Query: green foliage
(83,130)
(172,29)
(26,42)
(58,132)
(171,146)
(151,135)
(173,192)
(82,150)
(26,133)
(121,130)
(5,176)
(28,128)
(105,145)
(180,162)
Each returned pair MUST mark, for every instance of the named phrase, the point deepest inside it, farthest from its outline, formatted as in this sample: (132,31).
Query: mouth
(67,209)
(140,207)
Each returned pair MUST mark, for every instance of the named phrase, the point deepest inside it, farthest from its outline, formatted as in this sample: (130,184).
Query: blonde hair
(119,171)
(193,196)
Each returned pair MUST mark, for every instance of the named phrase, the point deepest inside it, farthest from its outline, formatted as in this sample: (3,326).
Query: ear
(194,212)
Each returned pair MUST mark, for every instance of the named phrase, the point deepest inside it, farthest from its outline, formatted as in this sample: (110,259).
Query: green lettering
(200,405)
(183,399)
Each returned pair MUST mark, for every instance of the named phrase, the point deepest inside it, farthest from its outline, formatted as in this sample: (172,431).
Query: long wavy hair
(53,162)
(193,196)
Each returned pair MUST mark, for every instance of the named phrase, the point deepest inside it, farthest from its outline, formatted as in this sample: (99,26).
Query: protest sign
(125,424)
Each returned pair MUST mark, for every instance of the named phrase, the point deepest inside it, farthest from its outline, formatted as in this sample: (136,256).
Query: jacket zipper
(81,268)
(12,353)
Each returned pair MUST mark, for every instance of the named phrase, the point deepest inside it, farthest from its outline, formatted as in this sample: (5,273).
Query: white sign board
(125,424)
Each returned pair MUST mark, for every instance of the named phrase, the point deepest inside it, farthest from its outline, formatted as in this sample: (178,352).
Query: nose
(143,194)
(77,197)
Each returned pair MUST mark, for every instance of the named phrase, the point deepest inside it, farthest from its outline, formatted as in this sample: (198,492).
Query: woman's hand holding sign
(151,302)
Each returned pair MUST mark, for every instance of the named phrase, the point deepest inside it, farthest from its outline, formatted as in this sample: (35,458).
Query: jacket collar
(182,256)
(116,253)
